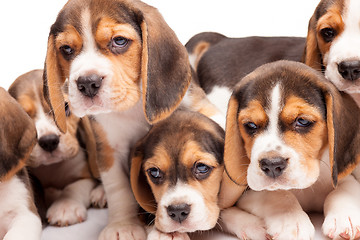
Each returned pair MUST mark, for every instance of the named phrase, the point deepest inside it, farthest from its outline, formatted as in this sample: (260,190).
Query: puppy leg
(242,224)
(155,234)
(71,206)
(26,226)
(123,223)
(282,214)
(342,210)
(98,197)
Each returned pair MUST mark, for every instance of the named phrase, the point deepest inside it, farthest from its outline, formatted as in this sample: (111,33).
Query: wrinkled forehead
(290,84)
(75,11)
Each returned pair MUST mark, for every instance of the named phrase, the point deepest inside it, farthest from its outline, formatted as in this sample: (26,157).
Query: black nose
(349,70)
(89,85)
(178,213)
(273,167)
(49,142)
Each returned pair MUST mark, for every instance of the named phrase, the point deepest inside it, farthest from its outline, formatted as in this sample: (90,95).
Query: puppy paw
(121,231)
(98,197)
(242,224)
(342,226)
(157,235)
(66,212)
(296,225)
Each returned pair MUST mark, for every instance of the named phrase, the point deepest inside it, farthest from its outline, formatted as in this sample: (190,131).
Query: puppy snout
(349,70)
(49,142)
(179,212)
(273,167)
(89,85)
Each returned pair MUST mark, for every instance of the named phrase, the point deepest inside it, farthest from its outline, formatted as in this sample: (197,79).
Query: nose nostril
(349,70)
(273,167)
(49,142)
(178,213)
(89,85)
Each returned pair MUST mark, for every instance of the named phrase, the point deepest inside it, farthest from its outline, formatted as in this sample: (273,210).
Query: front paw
(98,197)
(123,231)
(157,235)
(242,224)
(66,212)
(296,225)
(341,225)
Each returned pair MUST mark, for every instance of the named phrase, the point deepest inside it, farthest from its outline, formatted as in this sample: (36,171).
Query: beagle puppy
(127,70)
(292,138)
(18,214)
(176,170)
(60,161)
(332,44)
(219,61)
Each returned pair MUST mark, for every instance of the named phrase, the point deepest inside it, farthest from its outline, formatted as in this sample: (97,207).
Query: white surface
(25,26)
(90,229)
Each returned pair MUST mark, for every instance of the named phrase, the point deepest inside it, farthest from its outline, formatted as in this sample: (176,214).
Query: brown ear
(88,137)
(17,136)
(312,54)
(165,66)
(139,184)
(53,81)
(343,122)
(236,161)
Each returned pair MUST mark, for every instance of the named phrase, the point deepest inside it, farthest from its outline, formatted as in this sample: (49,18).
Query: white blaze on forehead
(274,110)
(88,39)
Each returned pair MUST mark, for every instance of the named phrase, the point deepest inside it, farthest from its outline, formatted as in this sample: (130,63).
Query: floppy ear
(165,67)
(88,138)
(139,184)
(236,161)
(17,136)
(312,54)
(53,81)
(343,122)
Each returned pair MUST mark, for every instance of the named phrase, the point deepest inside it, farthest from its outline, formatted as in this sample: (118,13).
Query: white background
(25,24)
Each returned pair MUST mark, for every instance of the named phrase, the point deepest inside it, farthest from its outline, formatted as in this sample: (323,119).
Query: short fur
(274,97)
(19,218)
(175,147)
(142,73)
(63,169)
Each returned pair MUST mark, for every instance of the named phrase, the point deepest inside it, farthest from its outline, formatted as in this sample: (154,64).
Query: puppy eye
(120,42)
(251,128)
(201,171)
(301,122)
(119,45)
(66,51)
(156,175)
(67,109)
(328,34)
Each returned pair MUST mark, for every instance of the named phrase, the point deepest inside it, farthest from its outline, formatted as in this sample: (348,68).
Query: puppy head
(17,136)
(176,171)
(280,119)
(114,53)
(333,40)
(53,146)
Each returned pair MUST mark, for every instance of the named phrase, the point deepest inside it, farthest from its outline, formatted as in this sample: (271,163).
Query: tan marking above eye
(254,112)
(296,107)
(192,153)
(28,105)
(69,37)
(109,29)
(161,160)
(332,19)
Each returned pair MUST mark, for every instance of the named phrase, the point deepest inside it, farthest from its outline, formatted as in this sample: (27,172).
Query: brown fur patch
(310,145)
(332,19)
(253,113)
(199,51)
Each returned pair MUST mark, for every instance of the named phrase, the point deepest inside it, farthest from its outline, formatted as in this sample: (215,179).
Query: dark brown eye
(66,51)
(67,109)
(328,34)
(250,128)
(201,171)
(156,175)
(302,125)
